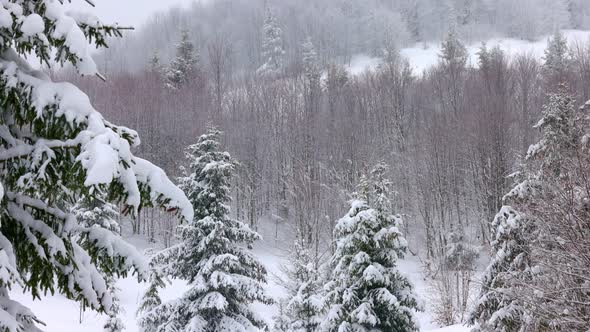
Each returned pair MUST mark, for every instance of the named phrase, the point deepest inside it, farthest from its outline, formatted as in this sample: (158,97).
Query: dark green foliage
(56,150)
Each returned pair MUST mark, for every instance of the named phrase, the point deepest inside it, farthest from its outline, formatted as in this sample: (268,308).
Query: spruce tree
(114,322)
(311,65)
(453,52)
(55,149)
(498,307)
(281,319)
(304,307)
(557,61)
(97,212)
(366,291)
(273,52)
(184,66)
(148,317)
(532,282)
(155,65)
(224,278)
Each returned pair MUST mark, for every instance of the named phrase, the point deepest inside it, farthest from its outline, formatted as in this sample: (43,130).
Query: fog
(128,12)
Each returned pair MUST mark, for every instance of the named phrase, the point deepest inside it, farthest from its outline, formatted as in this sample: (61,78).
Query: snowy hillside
(62,315)
(424,56)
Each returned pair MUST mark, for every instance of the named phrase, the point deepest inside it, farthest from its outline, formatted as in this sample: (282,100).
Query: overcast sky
(128,12)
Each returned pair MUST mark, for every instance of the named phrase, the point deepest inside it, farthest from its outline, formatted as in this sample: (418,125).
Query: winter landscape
(295,165)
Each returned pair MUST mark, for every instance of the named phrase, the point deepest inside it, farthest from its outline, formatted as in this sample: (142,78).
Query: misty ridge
(339,29)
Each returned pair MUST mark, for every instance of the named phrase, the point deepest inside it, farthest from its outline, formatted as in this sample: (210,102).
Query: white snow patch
(361,63)
(32,25)
(426,55)
(62,315)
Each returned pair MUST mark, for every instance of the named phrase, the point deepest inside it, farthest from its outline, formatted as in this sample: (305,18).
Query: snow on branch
(105,149)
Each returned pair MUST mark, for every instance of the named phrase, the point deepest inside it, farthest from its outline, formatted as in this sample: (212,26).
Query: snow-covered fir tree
(557,169)
(224,278)
(303,309)
(453,52)
(557,60)
(281,321)
(96,212)
(114,322)
(155,65)
(366,291)
(184,66)
(459,254)
(498,307)
(55,149)
(273,53)
(148,317)
(311,64)
(531,283)
(376,189)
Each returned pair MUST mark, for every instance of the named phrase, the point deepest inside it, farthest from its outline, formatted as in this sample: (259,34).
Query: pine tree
(281,319)
(557,201)
(558,60)
(376,189)
(114,322)
(148,317)
(155,66)
(97,212)
(304,307)
(184,66)
(498,307)
(224,278)
(459,254)
(453,52)
(56,149)
(311,62)
(273,52)
(535,231)
(366,291)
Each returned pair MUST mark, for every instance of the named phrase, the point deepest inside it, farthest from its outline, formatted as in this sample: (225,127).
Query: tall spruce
(311,65)
(273,53)
(155,66)
(224,278)
(184,66)
(303,309)
(453,52)
(366,291)
(533,282)
(557,61)
(97,212)
(55,149)
(498,307)
(114,322)
(148,316)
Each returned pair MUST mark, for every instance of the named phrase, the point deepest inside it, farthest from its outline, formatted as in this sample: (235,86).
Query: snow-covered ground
(424,56)
(62,315)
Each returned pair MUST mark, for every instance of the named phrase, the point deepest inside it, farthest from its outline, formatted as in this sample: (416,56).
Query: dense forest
(267,144)
(305,131)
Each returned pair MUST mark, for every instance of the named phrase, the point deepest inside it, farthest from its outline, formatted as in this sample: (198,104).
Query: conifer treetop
(224,277)
(366,291)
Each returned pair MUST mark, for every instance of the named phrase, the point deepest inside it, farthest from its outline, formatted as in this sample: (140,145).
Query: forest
(473,172)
